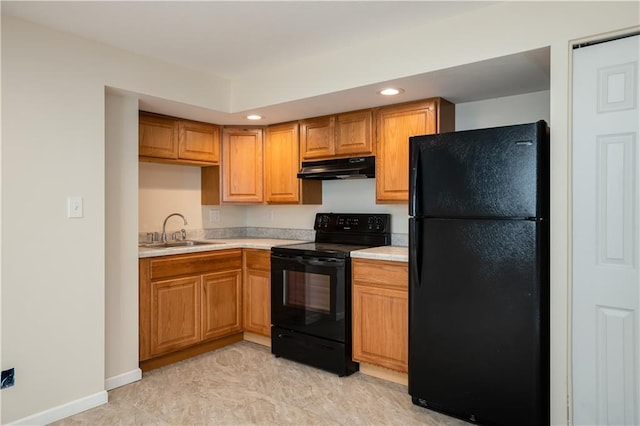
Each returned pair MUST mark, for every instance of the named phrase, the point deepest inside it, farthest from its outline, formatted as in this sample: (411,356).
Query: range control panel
(353,222)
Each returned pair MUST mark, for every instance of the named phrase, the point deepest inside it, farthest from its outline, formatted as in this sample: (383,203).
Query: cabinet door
(175,314)
(353,134)
(257,302)
(317,138)
(281,164)
(380,327)
(242,166)
(257,291)
(394,127)
(157,136)
(380,313)
(221,304)
(199,142)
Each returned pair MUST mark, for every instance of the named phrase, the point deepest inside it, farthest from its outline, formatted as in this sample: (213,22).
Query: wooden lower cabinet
(221,304)
(380,313)
(175,314)
(188,300)
(257,291)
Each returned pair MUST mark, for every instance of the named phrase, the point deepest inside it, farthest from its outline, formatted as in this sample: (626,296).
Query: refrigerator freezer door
(492,172)
(475,348)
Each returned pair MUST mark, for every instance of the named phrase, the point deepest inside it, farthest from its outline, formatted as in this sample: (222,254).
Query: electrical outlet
(8,378)
(214,216)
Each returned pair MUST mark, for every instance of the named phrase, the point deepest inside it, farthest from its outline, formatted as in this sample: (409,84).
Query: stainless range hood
(340,168)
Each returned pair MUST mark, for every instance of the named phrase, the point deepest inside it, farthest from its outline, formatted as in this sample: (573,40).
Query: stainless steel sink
(178,243)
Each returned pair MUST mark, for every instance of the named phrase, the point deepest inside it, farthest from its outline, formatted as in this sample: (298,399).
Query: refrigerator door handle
(415,249)
(413,184)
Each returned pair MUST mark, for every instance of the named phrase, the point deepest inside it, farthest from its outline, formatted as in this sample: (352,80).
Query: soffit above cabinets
(254,38)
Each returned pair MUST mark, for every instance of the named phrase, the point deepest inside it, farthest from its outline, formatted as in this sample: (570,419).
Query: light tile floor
(243,384)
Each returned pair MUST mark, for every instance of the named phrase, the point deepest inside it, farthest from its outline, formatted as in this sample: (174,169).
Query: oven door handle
(323,261)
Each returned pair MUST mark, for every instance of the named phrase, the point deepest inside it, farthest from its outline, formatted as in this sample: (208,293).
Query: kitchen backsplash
(257,232)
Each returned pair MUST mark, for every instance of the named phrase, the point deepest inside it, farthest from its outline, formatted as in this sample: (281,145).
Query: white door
(606,229)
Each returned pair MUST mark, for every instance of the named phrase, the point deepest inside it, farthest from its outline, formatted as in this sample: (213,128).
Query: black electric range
(311,290)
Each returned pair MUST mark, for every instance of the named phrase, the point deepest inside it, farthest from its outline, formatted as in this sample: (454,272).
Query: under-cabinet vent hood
(340,168)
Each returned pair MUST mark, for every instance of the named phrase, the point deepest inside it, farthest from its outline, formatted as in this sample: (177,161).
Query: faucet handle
(184,234)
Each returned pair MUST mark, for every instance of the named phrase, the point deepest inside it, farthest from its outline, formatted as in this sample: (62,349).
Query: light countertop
(392,253)
(220,244)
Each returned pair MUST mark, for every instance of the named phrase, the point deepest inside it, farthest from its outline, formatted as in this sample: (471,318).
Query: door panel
(221,304)
(606,298)
(175,314)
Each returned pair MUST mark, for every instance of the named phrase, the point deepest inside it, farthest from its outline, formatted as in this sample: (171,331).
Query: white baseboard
(123,379)
(65,410)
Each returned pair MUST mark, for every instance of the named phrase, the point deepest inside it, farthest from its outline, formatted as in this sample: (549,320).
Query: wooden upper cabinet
(199,141)
(353,133)
(171,140)
(281,164)
(242,169)
(394,126)
(157,136)
(340,135)
(281,167)
(317,138)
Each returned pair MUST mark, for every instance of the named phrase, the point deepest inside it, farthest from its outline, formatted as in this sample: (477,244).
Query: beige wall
(121,263)
(166,189)
(53,146)
(53,268)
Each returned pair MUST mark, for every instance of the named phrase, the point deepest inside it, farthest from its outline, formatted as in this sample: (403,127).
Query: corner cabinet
(242,168)
(394,125)
(170,140)
(380,313)
(188,304)
(257,291)
(282,162)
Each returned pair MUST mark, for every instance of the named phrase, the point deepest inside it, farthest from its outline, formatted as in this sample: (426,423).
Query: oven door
(308,294)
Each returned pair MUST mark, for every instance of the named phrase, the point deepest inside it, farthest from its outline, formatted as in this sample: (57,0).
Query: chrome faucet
(164,225)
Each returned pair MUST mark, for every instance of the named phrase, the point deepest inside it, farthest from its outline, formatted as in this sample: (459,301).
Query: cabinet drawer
(381,273)
(257,259)
(188,264)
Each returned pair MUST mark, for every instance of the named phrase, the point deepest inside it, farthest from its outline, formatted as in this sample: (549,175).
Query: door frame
(573,44)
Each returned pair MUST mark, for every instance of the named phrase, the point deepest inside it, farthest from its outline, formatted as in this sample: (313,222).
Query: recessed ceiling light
(390,91)
(254,117)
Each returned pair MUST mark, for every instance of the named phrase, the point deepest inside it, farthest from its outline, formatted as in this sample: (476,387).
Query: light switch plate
(75,207)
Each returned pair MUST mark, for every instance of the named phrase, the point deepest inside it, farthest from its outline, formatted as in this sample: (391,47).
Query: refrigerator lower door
(476,340)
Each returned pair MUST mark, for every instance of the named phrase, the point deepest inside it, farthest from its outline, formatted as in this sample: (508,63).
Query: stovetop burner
(338,234)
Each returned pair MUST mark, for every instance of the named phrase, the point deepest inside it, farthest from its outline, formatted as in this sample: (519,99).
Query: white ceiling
(228,38)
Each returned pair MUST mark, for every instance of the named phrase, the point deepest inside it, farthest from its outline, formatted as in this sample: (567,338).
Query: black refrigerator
(479,274)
